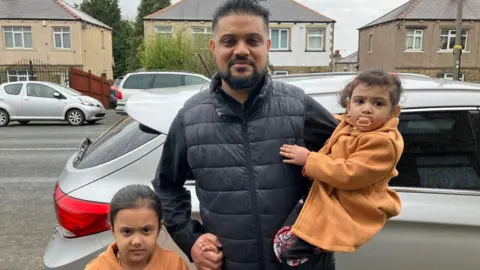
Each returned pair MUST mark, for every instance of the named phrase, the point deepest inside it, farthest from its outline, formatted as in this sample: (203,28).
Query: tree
(178,52)
(145,8)
(108,12)
(123,47)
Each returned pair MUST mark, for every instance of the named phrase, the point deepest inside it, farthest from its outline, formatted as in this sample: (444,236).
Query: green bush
(177,52)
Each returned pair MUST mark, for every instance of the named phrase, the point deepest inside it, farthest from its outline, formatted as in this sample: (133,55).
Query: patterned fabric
(290,249)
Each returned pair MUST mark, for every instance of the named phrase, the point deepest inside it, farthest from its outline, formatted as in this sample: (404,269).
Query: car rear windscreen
(124,137)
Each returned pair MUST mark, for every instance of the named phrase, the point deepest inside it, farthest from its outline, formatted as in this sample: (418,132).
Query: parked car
(114,92)
(439,180)
(140,80)
(44,101)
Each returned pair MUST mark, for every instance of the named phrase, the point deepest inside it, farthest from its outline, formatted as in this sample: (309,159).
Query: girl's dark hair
(135,196)
(374,77)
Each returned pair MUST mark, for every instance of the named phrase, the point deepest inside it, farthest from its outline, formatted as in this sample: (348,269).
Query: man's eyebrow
(235,35)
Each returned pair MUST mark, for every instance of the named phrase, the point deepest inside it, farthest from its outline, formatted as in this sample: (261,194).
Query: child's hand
(208,246)
(294,154)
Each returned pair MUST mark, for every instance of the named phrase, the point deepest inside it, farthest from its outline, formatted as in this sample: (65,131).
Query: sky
(348,14)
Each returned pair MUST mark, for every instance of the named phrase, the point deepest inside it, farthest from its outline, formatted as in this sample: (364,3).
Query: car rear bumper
(120,109)
(73,254)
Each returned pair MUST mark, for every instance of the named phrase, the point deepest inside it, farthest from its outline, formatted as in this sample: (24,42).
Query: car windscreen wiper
(82,149)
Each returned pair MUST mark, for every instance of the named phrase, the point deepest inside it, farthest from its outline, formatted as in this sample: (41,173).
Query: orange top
(160,260)
(350,199)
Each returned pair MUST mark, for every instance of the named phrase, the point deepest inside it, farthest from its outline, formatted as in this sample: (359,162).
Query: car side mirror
(57,95)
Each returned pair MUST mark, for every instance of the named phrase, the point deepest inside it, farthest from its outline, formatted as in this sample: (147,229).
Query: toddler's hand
(294,154)
(208,246)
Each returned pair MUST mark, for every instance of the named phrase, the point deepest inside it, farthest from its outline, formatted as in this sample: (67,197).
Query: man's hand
(294,154)
(206,254)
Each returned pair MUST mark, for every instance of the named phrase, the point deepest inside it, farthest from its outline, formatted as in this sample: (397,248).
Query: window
(200,33)
(280,72)
(447,39)
(279,38)
(315,39)
(414,39)
(103,40)
(138,81)
(440,150)
(163,31)
(40,90)
(61,36)
(167,80)
(17,37)
(13,89)
(370,43)
(124,137)
(449,76)
(193,80)
(20,75)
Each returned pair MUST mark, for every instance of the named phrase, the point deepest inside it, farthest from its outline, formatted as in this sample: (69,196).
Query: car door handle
(26,99)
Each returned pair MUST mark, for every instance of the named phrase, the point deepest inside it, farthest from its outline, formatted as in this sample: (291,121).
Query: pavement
(31,158)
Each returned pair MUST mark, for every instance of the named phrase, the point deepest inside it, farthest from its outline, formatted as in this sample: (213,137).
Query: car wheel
(4,118)
(75,117)
(91,122)
(23,122)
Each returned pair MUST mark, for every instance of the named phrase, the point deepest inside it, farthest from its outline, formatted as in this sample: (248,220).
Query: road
(31,158)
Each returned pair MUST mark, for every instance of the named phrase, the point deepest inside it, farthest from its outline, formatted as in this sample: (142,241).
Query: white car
(44,101)
(141,80)
(439,181)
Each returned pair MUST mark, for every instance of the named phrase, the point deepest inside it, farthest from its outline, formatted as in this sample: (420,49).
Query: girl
(136,220)
(350,200)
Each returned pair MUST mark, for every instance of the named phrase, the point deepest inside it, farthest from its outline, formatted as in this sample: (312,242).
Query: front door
(40,102)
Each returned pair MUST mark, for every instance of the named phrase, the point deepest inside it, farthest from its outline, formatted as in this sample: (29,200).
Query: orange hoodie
(350,199)
(160,260)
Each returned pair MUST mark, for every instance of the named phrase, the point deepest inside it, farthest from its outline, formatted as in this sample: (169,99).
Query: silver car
(439,181)
(139,81)
(33,101)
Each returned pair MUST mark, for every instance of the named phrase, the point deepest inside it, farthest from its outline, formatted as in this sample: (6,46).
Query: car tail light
(78,217)
(119,95)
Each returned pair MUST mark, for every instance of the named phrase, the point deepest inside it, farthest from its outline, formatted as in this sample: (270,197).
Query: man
(229,139)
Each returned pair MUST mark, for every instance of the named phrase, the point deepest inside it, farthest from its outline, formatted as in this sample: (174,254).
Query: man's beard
(241,83)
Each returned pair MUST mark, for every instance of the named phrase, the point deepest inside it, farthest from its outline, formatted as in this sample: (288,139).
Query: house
(302,39)
(53,35)
(347,64)
(419,37)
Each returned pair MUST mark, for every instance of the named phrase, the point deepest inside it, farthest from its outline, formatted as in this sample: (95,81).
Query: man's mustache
(241,61)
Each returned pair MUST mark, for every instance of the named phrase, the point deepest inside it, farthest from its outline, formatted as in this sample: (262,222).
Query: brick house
(419,37)
(302,39)
(348,63)
(53,33)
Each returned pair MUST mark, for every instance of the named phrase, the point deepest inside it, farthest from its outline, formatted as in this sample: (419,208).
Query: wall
(345,67)
(297,59)
(98,58)
(43,43)
(383,49)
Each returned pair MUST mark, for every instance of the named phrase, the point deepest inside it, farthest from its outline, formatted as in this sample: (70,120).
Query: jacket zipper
(253,191)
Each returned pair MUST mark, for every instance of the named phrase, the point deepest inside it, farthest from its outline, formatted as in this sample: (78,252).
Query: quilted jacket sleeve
(168,184)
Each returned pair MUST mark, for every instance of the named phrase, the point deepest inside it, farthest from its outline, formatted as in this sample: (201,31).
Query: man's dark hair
(240,7)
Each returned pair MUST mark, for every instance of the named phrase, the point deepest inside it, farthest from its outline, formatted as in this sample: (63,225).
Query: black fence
(33,70)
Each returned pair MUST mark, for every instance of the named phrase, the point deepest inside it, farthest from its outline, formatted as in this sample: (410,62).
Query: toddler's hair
(375,77)
(135,196)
